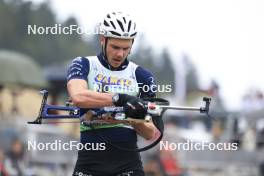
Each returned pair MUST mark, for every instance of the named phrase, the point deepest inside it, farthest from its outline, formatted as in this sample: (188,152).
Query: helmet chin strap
(105,56)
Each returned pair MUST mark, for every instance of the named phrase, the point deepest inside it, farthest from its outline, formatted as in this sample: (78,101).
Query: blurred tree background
(16,15)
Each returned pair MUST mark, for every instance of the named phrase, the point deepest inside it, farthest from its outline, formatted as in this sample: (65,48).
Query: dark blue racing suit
(103,159)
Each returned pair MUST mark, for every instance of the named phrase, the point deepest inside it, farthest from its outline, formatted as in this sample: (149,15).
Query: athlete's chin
(116,64)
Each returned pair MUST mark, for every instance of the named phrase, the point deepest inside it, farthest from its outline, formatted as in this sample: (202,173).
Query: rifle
(114,115)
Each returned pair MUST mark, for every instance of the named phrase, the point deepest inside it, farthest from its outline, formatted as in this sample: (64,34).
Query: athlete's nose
(120,53)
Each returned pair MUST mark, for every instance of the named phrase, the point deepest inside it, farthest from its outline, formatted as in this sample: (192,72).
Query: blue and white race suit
(129,78)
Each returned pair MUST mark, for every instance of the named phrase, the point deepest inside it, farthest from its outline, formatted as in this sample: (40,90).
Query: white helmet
(118,25)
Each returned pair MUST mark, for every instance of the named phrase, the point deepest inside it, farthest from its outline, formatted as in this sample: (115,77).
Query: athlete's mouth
(117,60)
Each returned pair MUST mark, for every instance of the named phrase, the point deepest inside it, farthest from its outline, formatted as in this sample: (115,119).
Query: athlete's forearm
(82,97)
(146,129)
(91,99)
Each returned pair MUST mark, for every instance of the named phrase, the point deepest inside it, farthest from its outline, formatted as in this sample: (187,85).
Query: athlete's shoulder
(146,82)
(78,68)
(79,61)
(144,73)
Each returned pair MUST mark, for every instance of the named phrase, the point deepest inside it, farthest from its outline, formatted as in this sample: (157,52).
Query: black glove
(136,108)
(122,99)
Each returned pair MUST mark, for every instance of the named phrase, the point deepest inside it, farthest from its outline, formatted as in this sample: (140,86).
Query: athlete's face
(117,50)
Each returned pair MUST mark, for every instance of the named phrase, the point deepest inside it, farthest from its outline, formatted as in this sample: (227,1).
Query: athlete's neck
(105,63)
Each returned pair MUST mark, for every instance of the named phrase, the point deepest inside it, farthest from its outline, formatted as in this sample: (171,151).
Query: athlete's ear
(102,39)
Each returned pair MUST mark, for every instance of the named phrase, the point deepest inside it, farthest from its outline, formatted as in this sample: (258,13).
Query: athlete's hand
(122,99)
(135,108)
